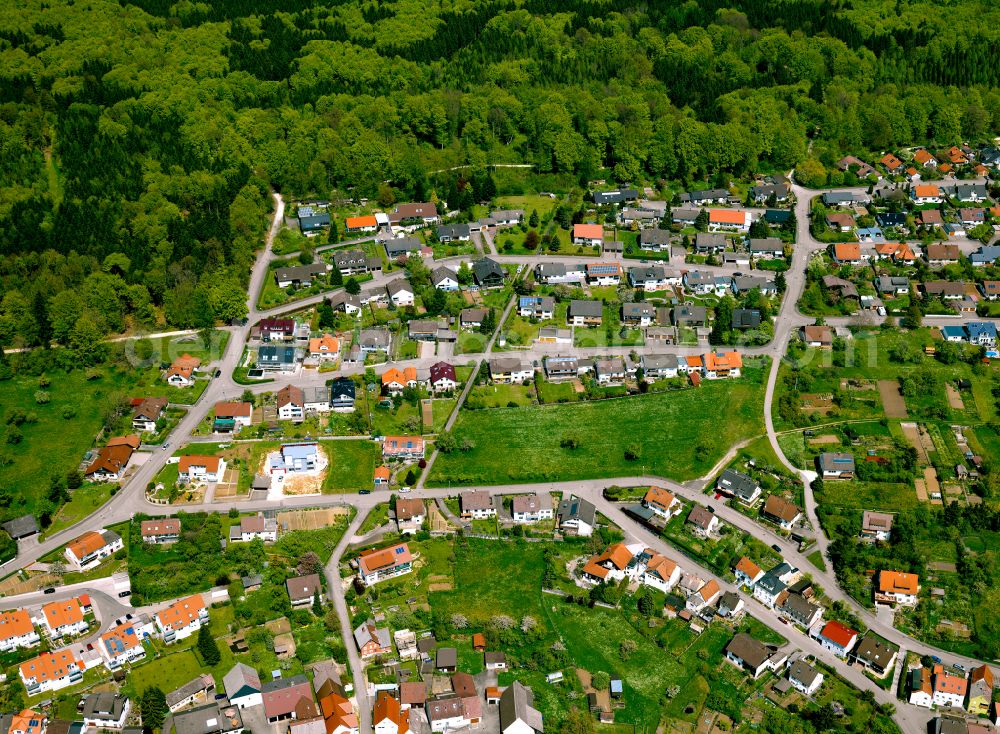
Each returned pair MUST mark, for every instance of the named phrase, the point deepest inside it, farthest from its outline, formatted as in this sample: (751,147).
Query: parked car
(123,594)
(50,590)
(776,547)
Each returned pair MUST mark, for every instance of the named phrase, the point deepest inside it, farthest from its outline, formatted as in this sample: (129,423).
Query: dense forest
(139,138)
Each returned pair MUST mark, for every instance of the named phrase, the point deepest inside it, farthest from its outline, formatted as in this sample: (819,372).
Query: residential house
(741,284)
(365,223)
(414,213)
(982,333)
(705,196)
(924,159)
(847,253)
(529,508)
(477,505)
(658,366)
(147,413)
(861,169)
(342,395)
(212,718)
(990,289)
(196,690)
(400,293)
(33,722)
(160,531)
(371,341)
(387,716)
(299,275)
(980,691)
(655,239)
(536,307)
(820,337)
(804,678)
(609,371)
(89,549)
(615,196)
(929,218)
(799,610)
(17,630)
(875,654)
(552,273)
(640,217)
(276,359)
(689,316)
(403,448)
(303,590)
(985,255)
(386,563)
(410,515)
(110,463)
(840,222)
(972,216)
(443,377)
(761,193)
(395,381)
(947,290)
(747,572)
(767,247)
(517,712)
(604,273)
(638,314)
(507,217)
(287,699)
(352,262)
(894,285)
(876,525)
(720,365)
(312,220)
(472,318)
(738,485)
(699,282)
(401,247)
(577,517)
(705,597)
(921,687)
(709,243)
(926,194)
(840,198)
(510,370)
(837,638)
(780,511)
(949,688)
(372,640)
(896,587)
(181,372)
(105,710)
(120,646)
(555,335)
(748,654)
(488,273)
(232,417)
(444,279)
(62,618)
(243,687)
(21,527)
(324,348)
(453,233)
(770,586)
(844,289)
(51,671)
(276,329)
(974,192)
(662,502)
(835,465)
(291,403)
(196,468)
(588,234)
(650,278)
(730,605)
(445,714)
(737,220)
(182,618)
(939,255)
(659,571)
(255,527)
(611,565)
(703,521)
(891,163)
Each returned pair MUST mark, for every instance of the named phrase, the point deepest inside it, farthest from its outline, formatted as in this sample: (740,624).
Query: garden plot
(954,397)
(312,519)
(919,439)
(892,399)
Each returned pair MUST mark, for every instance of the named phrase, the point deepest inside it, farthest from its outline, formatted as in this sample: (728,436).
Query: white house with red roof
(387,563)
(182,618)
(120,646)
(837,638)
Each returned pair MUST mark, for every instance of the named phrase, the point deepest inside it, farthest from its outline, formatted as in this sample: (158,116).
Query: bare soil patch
(311,519)
(892,399)
(823,440)
(954,398)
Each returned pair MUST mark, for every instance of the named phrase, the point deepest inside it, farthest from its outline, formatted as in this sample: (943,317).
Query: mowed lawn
(352,465)
(678,434)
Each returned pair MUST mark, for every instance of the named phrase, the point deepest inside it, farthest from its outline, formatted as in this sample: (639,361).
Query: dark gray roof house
(21,527)
(586,309)
(738,484)
(709,242)
(746,318)
(517,710)
(577,509)
(488,272)
(690,315)
(616,196)
(449,232)
(401,246)
(800,610)
(654,239)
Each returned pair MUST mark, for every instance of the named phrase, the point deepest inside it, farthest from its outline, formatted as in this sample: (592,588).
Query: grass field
(676,434)
(352,465)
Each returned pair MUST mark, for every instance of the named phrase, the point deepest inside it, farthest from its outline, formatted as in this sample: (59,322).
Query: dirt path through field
(892,400)
(954,398)
(913,435)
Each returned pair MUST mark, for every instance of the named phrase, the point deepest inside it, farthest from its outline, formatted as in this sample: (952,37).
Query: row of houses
(120,645)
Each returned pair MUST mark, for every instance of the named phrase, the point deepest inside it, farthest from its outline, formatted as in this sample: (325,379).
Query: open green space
(676,434)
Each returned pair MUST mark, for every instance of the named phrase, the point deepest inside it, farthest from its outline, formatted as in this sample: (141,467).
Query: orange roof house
(59,614)
(184,366)
(924,158)
(723,362)
(616,556)
(225,409)
(658,565)
(27,722)
(727,216)
(893,586)
(387,709)
(382,474)
(132,441)
(15,623)
(900,252)
(748,568)
(211,463)
(324,345)
(363,222)
(88,543)
(956,156)
(399,377)
(41,672)
(110,460)
(588,231)
(926,191)
(181,613)
(660,499)
(847,252)
(891,162)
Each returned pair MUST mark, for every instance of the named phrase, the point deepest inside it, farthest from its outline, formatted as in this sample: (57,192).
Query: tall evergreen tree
(208,648)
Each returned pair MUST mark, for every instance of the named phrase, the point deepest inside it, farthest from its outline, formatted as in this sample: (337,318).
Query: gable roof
(838,633)
(898,582)
(778,506)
